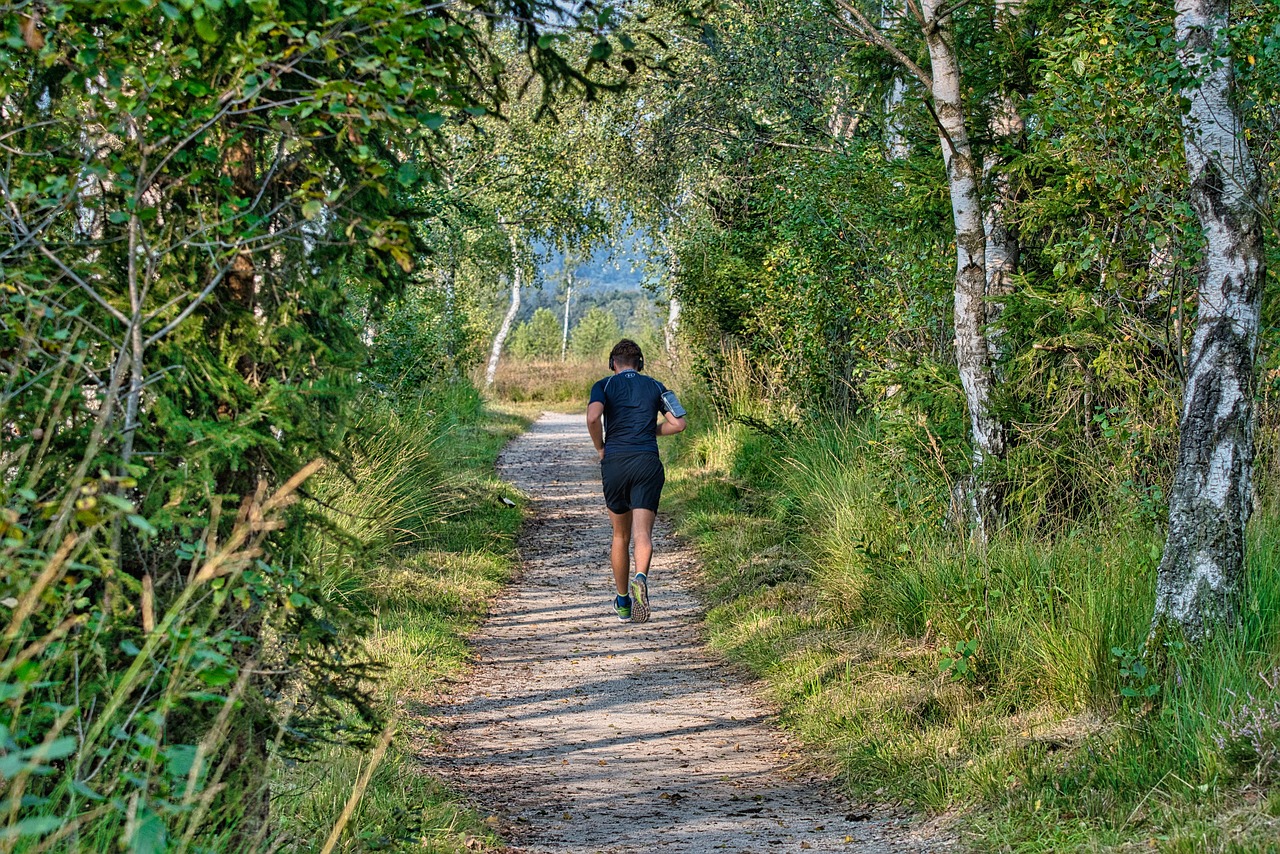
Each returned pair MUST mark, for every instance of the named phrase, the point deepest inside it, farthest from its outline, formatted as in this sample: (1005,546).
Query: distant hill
(619,277)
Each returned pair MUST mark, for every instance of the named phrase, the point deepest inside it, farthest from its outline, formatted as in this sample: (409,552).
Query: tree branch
(857,23)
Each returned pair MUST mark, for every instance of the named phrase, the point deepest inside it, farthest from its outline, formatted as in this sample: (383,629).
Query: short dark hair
(626,352)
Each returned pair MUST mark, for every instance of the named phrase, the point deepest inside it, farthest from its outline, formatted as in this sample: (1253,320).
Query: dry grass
(552,382)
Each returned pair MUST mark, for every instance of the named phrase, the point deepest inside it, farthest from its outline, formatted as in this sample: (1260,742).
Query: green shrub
(1012,681)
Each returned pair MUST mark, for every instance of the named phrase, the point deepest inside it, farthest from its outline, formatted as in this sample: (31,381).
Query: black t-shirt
(632,402)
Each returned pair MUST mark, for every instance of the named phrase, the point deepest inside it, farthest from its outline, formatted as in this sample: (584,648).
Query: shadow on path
(583,734)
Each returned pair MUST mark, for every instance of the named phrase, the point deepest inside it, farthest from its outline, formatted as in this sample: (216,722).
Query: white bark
(564,337)
(895,136)
(972,357)
(671,329)
(501,338)
(1160,271)
(1203,563)
(1002,249)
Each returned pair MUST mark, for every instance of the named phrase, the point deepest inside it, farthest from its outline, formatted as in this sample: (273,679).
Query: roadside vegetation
(429,540)
(1004,689)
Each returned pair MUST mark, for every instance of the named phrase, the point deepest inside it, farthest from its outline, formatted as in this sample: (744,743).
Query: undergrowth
(1004,688)
(434,541)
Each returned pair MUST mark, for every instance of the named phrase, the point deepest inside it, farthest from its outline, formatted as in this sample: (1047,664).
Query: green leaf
(59,748)
(207,29)
(216,677)
(180,759)
(150,836)
(117,502)
(142,524)
(36,825)
(312,209)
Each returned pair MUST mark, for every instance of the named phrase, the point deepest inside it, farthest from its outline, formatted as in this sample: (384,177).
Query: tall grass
(1006,683)
(430,542)
(132,710)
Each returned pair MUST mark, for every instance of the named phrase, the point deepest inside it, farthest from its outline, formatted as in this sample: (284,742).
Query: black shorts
(632,481)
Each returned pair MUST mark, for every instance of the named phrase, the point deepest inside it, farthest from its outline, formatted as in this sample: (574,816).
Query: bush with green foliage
(539,337)
(595,334)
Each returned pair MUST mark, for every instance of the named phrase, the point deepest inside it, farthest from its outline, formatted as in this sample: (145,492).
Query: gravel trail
(584,734)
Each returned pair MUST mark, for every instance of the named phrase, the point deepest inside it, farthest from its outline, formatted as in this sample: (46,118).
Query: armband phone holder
(673,404)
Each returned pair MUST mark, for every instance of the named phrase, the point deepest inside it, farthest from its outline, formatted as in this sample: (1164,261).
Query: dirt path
(584,734)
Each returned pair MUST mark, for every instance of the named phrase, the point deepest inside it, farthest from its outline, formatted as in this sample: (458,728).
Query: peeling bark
(1199,577)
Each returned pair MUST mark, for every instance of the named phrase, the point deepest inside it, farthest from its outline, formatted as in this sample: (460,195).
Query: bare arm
(595,426)
(670,425)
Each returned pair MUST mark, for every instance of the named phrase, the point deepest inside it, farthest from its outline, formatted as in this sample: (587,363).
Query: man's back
(632,402)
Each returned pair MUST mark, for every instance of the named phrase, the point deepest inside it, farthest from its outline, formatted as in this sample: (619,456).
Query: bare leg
(619,553)
(643,529)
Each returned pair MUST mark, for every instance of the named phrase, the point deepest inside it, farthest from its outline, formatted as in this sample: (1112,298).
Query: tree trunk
(1200,573)
(505,328)
(895,136)
(671,329)
(1002,249)
(564,335)
(981,500)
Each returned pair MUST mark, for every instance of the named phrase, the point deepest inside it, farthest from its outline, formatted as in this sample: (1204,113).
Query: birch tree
(943,82)
(1210,503)
(513,308)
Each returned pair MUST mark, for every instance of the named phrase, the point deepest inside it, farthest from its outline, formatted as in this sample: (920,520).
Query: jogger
(622,418)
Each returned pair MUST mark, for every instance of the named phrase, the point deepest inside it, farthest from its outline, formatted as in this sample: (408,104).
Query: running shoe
(640,598)
(623,606)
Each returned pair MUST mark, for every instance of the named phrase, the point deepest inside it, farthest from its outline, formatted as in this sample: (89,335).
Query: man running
(622,418)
